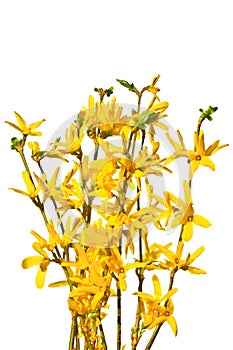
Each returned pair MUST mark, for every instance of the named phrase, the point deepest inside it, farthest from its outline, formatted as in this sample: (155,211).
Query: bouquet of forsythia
(104,203)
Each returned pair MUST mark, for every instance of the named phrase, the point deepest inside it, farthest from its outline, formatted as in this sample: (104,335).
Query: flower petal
(13,125)
(28,182)
(195,270)
(169,294)
(40,278)
(205,161)
(35,125)
(31,261)
(157,321)
(19,191)
(97,298)
(201,221)
(187,231)
(196,254)
(145,296)
(211,148)
(172,323)
(21,121)
(58,284)
(157,287)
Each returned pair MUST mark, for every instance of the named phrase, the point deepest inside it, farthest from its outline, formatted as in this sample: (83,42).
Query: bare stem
(73,331)
(119,308)
(140,274)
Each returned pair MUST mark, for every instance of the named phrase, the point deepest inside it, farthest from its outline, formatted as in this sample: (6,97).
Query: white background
(52,55)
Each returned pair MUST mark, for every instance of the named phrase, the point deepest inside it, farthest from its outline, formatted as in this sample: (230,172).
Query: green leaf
(146,118)
(129,86)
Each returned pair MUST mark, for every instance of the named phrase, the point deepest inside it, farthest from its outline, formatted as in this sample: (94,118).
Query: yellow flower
(105,116)
(170,209)
(42,260)
(179,147)
(32,191)
(186,217)
(91,280)
(159,309)
(73,194)
(34,146)
(72,144)
(49,188)
(117,266)
(43,247)
(200,155)
(105,180)
(175,261)
(23,128)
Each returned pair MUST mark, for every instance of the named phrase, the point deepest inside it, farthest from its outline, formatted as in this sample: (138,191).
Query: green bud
(15,143)
(129,86)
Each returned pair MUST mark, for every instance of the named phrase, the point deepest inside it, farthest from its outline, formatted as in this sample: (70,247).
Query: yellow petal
(13,125)
(40,278)
(157,287)
(187,231)
(145,296)
(205,161)
(38,249)
(201,221)
(58,284)
(136,265)
(196,254)
(97,298)
(172,323)
(195,270)
(157,321)
(122,281)
(28,182)
(211,148)
(169,294)
(19,191)
(200,143)
(187,192)
(38,237)
(179,250)
(20,120)
(91,101)
(31,261)
(35,125)
(54,237)
(162,106)
(219,147)
(194,165)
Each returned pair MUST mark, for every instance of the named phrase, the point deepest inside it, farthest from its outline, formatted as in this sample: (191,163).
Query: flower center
(198,157)
(190,218)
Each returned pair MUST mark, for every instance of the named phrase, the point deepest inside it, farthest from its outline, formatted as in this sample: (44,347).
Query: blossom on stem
(158,308)
(186,216)
(23,128)
(42,260)
(32,191)
(174,261)
(200,155)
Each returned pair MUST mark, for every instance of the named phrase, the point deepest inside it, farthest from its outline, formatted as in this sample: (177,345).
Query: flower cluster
(107,201)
